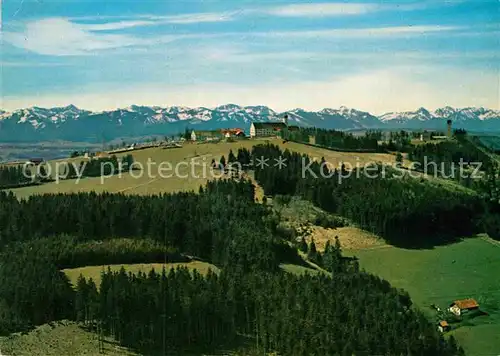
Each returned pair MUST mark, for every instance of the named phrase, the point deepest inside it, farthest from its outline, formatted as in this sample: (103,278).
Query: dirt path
(135,187)
(311,264)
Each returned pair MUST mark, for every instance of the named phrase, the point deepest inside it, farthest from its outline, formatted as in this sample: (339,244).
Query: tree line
(447,153)
(19,175)
(344,311)
(96,167)
(13,177)
(403,210)
(195,224)
(335,139)
(49,232)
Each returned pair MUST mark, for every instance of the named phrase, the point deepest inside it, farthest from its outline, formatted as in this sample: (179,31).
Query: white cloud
(59,37)
(363,32)
(345,9)
(196,18)
(238,55)
(322,9)
(119,25)
(152,20)
(394,89)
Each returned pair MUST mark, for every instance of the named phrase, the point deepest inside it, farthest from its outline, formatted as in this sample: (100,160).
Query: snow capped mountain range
(74,124)
(466,115)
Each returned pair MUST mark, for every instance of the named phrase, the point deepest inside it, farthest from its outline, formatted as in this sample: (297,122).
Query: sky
(375,56)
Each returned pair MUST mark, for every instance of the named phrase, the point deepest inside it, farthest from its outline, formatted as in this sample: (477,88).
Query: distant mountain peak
(73,124)
(228,107)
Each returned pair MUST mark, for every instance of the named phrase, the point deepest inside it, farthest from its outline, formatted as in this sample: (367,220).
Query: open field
(193,169)
(468,269)
(94,272)
(196,158)
(298,270)
(350,237)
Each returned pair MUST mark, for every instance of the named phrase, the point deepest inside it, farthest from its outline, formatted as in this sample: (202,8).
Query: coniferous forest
(403,210)
(335,139)
(344,311)
(14,176)
(18,175)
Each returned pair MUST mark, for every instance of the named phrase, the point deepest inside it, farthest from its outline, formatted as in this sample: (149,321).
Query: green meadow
(468,269)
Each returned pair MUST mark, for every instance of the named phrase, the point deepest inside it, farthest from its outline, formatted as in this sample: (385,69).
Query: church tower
(285,119)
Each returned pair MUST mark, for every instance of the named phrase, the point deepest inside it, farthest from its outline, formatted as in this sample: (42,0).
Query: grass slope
(60,338)
(69,338)
(468,269)
(94,272)
(200,153)
(298,270)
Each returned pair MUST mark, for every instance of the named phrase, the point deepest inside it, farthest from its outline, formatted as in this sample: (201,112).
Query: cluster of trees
(447,154)
(346,311)
(219,225)
(243,158)
(75,154)
(335,139)
(197,224)
(14,176)
(342,313)
(405,211)
(18,175)
(331,259)
(102,166)
(398,141)
(463,161)
(67,251)
(32,291)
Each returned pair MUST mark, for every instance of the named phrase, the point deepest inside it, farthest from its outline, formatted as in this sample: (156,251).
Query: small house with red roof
(443,326)
(237,132)
(464,305)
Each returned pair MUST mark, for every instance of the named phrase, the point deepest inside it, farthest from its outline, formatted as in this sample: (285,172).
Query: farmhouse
(443,326)
(208,135)
(227,133)
(464,305)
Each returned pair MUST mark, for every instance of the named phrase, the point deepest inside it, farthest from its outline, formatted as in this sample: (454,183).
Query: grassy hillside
(60,338)
(468,269)
(69,338)
(201,154)
(94,272)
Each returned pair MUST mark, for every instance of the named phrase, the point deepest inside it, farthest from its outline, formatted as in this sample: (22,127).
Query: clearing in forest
(94,272)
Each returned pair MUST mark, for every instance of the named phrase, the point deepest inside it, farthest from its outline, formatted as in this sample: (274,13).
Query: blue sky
(375,56)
